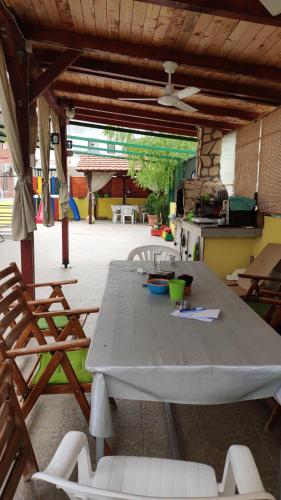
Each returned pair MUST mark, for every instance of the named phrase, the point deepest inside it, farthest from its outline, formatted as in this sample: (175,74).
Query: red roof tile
(102,164)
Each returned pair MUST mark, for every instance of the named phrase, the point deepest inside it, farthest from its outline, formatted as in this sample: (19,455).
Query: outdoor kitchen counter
(222,248)
(205,231)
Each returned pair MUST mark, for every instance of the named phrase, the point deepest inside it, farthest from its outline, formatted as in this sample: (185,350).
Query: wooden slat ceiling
(234,57)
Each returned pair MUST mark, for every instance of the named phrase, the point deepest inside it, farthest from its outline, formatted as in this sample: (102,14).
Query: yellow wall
(104,204)
(271,234)
(173,207)
(82,205)
(224,255)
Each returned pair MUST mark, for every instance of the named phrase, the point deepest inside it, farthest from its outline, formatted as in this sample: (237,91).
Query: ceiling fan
(273,6)
(171,97)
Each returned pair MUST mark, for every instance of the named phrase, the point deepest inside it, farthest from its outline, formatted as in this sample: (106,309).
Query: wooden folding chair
(11,277)
(263,300)
(271,300)
(264,266)
(16,454)
(60,365)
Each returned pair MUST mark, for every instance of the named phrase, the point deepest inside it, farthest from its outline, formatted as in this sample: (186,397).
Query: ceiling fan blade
(272,6)
(137,99)
(187,92)
(183,106)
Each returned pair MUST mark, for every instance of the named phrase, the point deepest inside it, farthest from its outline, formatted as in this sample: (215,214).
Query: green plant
(156,170)
(151,203)
(162,209)
(157,205)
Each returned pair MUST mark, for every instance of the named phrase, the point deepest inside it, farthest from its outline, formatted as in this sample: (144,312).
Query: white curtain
(44,139)
(99,180)
(63,194)
(33,132)
(23,223)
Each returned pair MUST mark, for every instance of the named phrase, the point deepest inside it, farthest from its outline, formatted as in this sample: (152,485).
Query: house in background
(7,178)
(119,190)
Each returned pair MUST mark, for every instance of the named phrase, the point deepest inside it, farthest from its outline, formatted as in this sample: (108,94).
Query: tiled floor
(204,432)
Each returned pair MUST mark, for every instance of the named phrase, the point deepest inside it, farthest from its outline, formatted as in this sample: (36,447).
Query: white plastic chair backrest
(128,210)
(116,208)
(146,253)
(77,491)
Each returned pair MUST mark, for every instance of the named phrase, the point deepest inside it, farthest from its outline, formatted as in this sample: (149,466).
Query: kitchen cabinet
(222,248)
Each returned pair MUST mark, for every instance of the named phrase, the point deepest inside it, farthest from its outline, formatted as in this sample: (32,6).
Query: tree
(155,172)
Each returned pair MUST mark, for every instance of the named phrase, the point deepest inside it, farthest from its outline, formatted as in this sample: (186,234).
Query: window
(228,161)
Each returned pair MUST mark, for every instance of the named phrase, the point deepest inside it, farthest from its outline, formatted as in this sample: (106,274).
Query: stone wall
(207,179)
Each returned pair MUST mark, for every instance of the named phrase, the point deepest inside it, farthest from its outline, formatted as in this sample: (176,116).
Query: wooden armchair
(59,367)
(271,313)
(11,277)
(256,298)
(16,453)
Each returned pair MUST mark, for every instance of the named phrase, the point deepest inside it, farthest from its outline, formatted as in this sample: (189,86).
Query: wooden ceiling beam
(71,40)
(85,106)
(135,125)
(189,123)
(35,73)
(139,74)
(251,11)
(164,125)
(110,94)
(46,78)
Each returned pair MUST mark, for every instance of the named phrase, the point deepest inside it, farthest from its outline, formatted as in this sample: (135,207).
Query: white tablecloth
(141,352)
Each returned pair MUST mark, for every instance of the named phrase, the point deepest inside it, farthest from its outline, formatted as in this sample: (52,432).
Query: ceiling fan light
(70,111)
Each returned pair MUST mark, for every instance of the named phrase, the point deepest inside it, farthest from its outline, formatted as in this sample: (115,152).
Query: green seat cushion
(77,360)
(259,308)
(60,322)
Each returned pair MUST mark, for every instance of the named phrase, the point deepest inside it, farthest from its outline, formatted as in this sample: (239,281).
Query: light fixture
(70,111)
(55,138)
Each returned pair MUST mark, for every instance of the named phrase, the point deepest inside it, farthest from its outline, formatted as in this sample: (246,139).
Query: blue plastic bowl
(158,286)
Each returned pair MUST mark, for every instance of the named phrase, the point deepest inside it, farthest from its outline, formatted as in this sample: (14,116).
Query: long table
(141,352)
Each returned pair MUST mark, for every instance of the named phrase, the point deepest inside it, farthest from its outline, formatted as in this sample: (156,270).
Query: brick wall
(78,187)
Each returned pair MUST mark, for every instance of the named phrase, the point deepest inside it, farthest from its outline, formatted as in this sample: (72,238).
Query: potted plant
(150,207)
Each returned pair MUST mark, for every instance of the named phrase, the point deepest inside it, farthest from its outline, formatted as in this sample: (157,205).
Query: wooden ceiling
(96,51)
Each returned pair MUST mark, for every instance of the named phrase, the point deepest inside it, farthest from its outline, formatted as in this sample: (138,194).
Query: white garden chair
(146,253)
(139,478)
(128,212)
(116,213)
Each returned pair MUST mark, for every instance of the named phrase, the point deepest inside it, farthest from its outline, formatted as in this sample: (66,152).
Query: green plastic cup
(176,289)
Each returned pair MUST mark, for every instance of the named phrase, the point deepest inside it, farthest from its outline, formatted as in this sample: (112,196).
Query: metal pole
(64,222)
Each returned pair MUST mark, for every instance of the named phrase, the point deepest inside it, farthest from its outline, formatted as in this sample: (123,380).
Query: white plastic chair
(129,213)
(147,252)
(139,478)
(116,213)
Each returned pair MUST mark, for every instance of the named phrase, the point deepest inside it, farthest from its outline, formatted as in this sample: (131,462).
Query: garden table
(141,352)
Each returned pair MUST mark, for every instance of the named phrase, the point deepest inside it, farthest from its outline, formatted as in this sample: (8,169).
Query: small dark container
(168,275)
(188,280)
(240,218)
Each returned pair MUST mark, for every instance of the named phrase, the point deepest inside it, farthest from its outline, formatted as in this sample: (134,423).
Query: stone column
(208,153)
(208,179)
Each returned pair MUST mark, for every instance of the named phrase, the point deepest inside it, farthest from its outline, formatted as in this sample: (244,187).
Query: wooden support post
(64,222)
(17,61)
(124,190)
(90,174)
